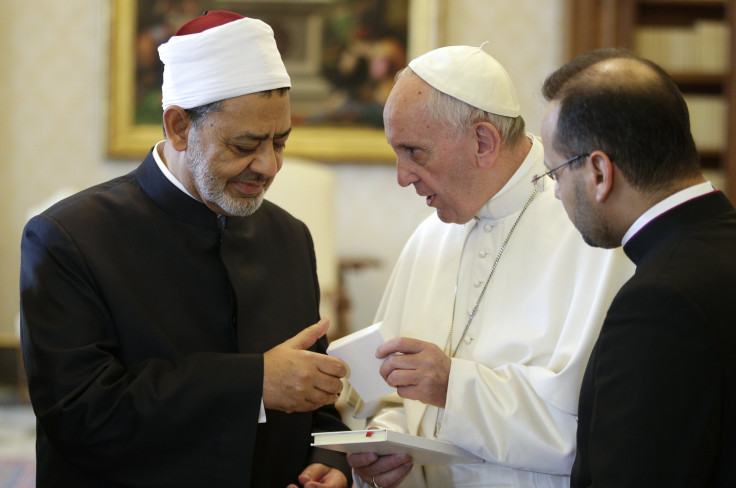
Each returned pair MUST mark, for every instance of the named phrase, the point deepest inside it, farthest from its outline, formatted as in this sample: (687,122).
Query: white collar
(668,203)
(165,170)
(516,191)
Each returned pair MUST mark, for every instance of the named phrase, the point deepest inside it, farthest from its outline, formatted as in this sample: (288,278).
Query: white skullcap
(471,75)
(223,61)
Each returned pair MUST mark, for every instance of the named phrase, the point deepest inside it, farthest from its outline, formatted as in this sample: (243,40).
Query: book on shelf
(700,48)
(708,121)
(385,442)
(711,51)
(672,48)
(358,351)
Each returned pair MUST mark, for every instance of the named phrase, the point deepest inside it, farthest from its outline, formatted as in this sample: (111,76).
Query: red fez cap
(207,20)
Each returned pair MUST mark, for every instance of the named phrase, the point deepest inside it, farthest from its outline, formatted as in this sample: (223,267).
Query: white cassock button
(488,227)
(477,284)
(467,340)
(483,254)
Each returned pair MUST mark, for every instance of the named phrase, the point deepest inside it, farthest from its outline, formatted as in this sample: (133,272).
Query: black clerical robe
(658,400)
(144,321)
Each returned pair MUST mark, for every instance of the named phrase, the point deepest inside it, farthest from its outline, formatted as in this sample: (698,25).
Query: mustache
(250,176)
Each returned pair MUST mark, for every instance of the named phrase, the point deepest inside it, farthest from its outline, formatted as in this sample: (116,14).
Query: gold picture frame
(334,143)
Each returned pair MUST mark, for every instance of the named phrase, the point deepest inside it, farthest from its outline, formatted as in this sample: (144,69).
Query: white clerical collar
(668,203)
(165,170)
(515,192)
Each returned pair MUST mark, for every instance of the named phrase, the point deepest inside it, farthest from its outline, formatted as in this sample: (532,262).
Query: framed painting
(342,56)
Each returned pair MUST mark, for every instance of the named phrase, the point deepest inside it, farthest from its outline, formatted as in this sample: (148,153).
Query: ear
(488,144)
(602,175)
(177,125)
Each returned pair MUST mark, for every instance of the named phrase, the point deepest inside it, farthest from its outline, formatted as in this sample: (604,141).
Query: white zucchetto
(220,55)
(471,75)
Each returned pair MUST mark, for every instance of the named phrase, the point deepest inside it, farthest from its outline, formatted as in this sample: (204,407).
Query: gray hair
(458,115)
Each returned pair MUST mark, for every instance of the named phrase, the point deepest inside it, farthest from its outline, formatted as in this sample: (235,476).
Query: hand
(385,471)
(421,372)
(297,380)
(319,475)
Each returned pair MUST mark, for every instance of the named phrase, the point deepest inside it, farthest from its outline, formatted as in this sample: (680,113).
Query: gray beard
(212,188)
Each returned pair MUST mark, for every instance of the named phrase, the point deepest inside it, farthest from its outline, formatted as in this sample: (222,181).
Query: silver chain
(448,347)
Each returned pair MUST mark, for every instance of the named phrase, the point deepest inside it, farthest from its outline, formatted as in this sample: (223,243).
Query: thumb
(306,338)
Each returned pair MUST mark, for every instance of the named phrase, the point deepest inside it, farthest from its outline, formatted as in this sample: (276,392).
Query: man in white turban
(495,302)
(170,317)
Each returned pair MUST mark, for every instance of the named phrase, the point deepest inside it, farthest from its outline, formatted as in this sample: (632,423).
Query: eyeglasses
(551,174)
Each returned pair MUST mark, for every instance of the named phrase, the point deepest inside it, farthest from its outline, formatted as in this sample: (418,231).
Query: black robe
(144,319)
(658,399)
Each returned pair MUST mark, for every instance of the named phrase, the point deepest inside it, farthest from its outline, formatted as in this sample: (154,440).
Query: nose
(404,176)
(267,162)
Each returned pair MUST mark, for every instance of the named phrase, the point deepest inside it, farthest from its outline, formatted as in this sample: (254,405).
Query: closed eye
(243,150)
(410,151)
(416,154)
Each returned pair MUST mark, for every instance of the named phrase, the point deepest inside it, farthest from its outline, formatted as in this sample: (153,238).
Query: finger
(393,363)
(394,476)
(332,478)
(331,366)
(408,361)
(401,377)
(388,463)
(328,384)
(389,467)
(407,366)
(314,471)
(313,403)
(385,370)
(306,338)
(403,345)
(410,392)
(361,459)
(317,398)
(391,346)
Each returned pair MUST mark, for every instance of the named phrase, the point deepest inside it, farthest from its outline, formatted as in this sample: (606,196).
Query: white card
(358,351)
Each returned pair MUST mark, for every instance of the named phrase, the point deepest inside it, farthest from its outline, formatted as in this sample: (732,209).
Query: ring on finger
(373,480)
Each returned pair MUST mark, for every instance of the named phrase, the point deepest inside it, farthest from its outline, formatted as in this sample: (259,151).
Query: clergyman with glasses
(658,398)
(496,301)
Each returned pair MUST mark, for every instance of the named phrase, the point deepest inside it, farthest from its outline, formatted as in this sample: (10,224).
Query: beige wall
(8,243)
(526,37)
(53,87)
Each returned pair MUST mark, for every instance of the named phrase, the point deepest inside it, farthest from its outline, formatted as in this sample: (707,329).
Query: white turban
(471,75)
(229,60)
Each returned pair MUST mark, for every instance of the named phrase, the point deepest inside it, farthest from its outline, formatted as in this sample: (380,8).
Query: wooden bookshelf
(617,23)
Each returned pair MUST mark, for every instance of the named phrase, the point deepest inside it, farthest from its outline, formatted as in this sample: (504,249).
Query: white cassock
(514,382)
